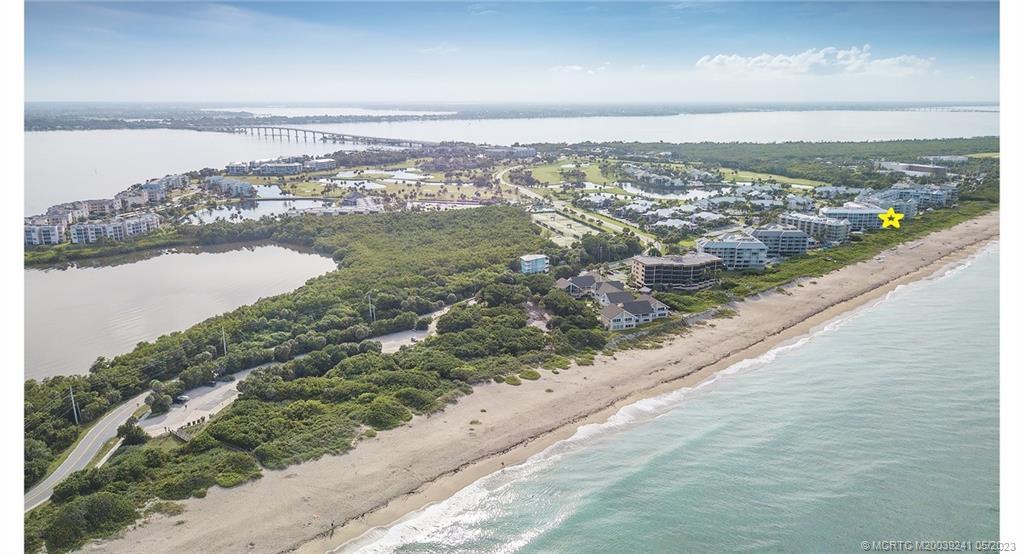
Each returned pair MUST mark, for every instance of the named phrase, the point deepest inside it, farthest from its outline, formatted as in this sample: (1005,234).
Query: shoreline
(406,469)
(354,531)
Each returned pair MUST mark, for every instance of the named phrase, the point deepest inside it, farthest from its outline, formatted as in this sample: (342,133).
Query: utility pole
(373,312)
(224,340)
(74,406)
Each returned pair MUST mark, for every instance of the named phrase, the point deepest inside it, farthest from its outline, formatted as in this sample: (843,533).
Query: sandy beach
(432,457)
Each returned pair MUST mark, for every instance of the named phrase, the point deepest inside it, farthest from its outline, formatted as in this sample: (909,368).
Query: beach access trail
(432,457)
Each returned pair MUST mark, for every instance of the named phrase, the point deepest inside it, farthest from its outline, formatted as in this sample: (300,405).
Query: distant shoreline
(433,457)
(200,117)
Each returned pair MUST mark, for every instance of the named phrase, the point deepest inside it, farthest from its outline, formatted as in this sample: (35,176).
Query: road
(393,342)
(204,402)
(85,450)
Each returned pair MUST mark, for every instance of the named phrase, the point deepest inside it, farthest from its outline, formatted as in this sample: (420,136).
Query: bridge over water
(308,135)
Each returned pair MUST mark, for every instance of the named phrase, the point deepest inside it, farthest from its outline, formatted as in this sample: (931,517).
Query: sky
(595,52)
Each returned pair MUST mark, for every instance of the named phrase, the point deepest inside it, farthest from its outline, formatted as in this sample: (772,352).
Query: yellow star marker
(891,219)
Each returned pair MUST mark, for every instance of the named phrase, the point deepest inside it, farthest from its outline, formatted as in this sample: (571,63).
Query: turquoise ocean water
(881,426)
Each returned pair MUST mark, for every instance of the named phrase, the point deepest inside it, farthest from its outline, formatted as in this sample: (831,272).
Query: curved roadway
(85,450)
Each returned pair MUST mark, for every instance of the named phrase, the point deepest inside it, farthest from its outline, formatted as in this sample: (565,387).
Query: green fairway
(731,175)
(550,173)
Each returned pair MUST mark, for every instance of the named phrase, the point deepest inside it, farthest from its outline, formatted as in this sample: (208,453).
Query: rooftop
(694,258)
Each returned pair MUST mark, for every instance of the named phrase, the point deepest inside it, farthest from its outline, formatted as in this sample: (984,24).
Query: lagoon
(781,126)
(61,166)
(74,315)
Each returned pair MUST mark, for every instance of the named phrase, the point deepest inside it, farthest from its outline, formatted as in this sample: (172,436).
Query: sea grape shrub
(95,514)
(385,413)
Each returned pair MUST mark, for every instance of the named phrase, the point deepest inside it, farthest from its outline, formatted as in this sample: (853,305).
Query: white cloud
(441,49)
(815,61)
(573,68)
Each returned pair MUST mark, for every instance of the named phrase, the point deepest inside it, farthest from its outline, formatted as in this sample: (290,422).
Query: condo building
(118,228)
(832,231)
(533,263)
(237,168)
(862,217)
(42,231)
(928,196)
(737,251)
(320,164)
(280,169)
(681,272)
(782,240)
(230,187)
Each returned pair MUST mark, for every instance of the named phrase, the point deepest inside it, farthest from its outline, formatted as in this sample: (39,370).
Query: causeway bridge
(308,135)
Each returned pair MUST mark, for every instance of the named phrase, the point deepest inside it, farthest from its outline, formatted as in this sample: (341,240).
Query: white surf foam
(429,523)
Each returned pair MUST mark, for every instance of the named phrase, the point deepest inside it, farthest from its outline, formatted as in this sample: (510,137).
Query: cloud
(573,68)
(481,9)
(823,61)
(441,49)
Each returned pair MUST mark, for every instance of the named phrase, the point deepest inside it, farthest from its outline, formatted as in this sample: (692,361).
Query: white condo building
(39,232)
(320,164)
(861,216)
(737,251)
(237,168)
(118,228)
(280,169)
(826,230)
(782,240)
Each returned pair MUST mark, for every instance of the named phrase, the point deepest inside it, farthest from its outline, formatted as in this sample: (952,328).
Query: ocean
(882,425)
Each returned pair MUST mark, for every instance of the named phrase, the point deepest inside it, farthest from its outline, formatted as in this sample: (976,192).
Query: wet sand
(432,457)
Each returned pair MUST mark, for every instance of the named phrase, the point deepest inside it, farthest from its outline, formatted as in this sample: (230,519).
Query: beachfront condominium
(738,251)
(117,228)
(682,272)
(921,196)
(830,231)
(533,263)
(782,240)
(862,217)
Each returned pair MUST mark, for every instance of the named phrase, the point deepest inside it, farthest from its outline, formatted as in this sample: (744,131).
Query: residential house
(616,318)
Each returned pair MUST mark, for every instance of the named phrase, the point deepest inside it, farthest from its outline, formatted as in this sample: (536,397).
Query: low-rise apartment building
(292,168)
(237,168)
(737,251)
(782,240)
(680,272)
(229,187)
(320,164)
(533,263)
(862,217)
(118,228)
(830,231)
(40,231)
